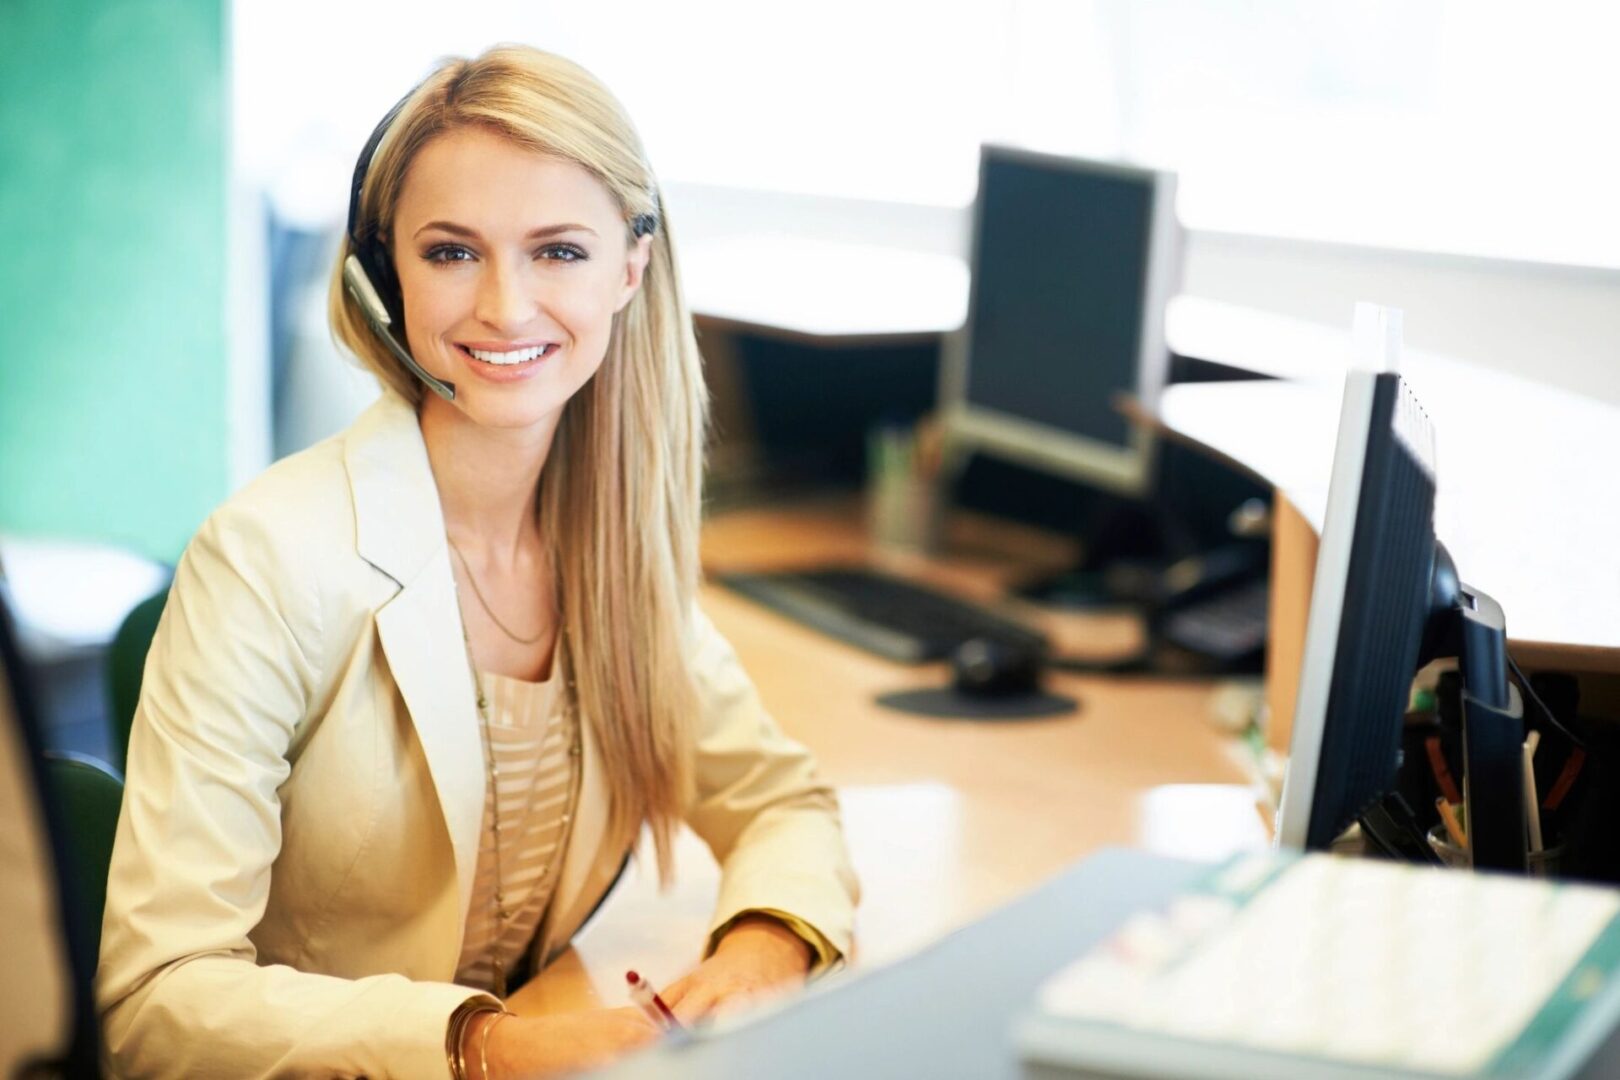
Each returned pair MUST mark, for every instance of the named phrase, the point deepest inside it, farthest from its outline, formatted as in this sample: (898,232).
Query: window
(1471,126)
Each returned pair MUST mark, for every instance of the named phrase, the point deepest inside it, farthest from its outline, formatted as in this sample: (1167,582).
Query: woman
(485,586)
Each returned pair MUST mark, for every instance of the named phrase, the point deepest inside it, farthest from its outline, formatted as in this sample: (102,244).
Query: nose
(504,301)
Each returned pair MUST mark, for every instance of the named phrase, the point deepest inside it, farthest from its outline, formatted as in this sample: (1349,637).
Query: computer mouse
(986,667)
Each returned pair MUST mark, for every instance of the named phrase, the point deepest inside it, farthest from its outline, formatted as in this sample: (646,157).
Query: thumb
(675,991)
(694,1005)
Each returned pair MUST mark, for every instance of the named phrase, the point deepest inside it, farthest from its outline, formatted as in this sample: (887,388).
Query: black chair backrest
(126,660)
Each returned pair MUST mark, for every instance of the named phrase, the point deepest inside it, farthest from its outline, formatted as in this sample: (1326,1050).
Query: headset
(369,273)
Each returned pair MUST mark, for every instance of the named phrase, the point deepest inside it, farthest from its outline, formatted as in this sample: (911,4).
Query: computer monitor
(1385,601)
(1073,264)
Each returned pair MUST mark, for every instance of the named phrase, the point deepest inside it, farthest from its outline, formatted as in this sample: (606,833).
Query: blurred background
(174,176)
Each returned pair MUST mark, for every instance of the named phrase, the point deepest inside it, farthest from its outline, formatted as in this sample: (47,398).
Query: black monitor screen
(1369,606)
(1059,280)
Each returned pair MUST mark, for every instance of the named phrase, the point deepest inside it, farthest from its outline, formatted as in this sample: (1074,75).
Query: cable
(1530,691)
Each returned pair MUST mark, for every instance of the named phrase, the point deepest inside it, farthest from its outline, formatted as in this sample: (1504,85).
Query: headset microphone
(376,313)
(368,272)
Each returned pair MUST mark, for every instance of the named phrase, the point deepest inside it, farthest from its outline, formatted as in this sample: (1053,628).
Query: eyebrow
(543,232)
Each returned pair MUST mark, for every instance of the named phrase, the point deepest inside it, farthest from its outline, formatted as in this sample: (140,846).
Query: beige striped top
(536,754)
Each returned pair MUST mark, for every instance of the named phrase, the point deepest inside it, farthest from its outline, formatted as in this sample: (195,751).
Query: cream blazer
(305,788)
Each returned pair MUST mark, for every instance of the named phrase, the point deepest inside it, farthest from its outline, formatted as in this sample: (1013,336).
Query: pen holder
(903,511)
(1544,863)
(902,486)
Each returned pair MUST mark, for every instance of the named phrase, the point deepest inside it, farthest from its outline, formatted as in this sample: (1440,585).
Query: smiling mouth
(511,357)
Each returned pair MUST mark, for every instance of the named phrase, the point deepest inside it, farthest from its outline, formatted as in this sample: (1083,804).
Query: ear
(635,269)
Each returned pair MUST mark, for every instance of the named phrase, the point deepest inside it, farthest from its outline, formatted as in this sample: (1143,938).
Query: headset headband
(640,225)
(363,165)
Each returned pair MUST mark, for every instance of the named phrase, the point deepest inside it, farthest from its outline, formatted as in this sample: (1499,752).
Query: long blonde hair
(621,490)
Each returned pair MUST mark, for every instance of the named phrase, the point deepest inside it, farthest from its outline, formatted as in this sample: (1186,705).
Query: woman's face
(512,265)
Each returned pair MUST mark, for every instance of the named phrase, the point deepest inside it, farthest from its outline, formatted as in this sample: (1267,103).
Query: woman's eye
(562,253)
(447,253)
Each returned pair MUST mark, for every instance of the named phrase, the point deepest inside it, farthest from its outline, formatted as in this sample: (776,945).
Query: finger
(675,991)
(633,1016)
(740,1000)
(698,1003)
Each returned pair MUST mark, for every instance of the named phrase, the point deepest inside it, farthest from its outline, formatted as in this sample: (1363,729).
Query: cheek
(587,309)
(430,305)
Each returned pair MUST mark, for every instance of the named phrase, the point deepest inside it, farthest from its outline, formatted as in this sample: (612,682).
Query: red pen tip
(632,978)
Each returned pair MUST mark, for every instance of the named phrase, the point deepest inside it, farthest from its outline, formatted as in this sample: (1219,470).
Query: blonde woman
(418,689)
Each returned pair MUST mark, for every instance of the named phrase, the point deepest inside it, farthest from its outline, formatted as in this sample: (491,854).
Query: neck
(487,477)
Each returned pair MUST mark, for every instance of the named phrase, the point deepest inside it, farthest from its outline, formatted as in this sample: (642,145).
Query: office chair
(126,659)
(88,795)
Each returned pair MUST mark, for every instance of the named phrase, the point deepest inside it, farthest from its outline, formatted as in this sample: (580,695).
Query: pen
(1566,780)
(1442,771)
(1453,826)
(1531,803)
(643,994)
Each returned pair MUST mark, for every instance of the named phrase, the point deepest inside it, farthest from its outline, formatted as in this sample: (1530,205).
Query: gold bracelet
(483,1045)
(455,1035)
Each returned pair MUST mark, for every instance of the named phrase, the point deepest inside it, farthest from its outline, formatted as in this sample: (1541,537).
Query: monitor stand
(1493,739)
(1469,625)
(1203,612)
(1123,566)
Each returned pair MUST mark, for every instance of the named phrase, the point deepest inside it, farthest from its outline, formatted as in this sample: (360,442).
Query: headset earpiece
(369,273)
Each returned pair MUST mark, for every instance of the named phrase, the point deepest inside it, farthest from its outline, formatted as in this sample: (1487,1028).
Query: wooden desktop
(946,820)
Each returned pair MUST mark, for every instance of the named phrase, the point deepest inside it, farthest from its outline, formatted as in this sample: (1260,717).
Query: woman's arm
(772,823)
(232,668)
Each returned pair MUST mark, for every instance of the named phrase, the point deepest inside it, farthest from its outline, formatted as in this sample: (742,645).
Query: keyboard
(1318,965)
(1226,627)
(890,616)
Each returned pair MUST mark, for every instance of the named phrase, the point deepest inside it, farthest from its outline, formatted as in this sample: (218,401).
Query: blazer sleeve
(760,805)
(227,682)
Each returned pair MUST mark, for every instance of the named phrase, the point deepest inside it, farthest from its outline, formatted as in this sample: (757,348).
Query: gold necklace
(575,749)
(485,603)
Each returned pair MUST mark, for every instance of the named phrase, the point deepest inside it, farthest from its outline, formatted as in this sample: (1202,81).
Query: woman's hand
(541,1046)
(758,959)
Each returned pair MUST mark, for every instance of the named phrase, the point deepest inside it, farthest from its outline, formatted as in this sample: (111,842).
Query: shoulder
(281,555)
(299,506)
(705,647)
(307,502)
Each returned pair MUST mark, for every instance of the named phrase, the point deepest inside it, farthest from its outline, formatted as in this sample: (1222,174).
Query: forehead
(478,178)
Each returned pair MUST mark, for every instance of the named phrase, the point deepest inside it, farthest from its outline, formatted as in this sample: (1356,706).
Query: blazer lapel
(429,665)
(399,529)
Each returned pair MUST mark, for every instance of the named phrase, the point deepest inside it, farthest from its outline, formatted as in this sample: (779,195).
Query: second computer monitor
(1385,600)
(1073,264)
(1370,601)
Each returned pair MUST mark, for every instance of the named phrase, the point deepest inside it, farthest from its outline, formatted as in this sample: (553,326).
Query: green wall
(112,269)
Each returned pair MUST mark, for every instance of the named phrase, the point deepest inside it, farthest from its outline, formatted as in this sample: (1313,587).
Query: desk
(947,1012)
(826,291)
(805,289)
(946,820)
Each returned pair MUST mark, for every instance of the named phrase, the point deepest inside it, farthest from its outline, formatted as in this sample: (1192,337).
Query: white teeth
(516,356)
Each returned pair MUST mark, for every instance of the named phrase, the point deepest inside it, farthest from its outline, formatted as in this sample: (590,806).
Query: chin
(514,415)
